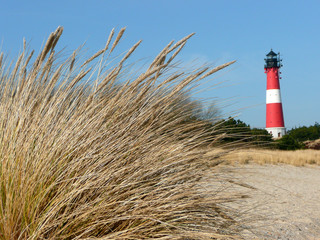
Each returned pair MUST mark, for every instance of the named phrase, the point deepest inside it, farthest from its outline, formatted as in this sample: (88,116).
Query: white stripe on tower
(273,96)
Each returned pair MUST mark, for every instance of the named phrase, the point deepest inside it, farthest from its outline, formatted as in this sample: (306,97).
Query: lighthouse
(274,113)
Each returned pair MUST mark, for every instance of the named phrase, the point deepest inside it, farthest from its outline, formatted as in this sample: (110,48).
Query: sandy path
(284,204)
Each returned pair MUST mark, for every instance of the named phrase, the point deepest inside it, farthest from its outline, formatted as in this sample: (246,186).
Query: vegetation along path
(279,201)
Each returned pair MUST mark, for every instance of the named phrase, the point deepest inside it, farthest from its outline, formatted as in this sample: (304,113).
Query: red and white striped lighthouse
(274,113)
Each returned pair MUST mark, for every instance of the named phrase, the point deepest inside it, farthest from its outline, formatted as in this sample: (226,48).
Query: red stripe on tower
(274,113)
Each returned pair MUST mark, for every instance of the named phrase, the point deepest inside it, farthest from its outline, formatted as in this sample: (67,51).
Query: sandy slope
(284,202)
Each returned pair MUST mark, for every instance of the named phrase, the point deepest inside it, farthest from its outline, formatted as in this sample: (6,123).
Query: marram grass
(88,153)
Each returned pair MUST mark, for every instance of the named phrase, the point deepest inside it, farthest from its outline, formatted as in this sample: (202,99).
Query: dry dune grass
(84,156)
(261,156)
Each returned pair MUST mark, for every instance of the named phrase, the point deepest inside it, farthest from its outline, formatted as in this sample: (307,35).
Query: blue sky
(225,30)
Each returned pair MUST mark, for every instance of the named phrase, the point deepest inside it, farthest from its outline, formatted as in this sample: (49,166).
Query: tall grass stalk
(88,153)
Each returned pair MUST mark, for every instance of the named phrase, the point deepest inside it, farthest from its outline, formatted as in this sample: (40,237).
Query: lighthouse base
(277,132)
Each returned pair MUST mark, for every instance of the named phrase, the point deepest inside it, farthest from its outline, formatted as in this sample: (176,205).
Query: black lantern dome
(273,60)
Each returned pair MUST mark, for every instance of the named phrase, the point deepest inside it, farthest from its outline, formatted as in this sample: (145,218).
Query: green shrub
(287,142)
(305,133)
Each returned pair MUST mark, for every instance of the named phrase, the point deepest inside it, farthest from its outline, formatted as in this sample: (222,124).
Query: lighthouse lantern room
(274,113)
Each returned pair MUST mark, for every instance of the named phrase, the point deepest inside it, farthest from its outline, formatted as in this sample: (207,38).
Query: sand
(283,201)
